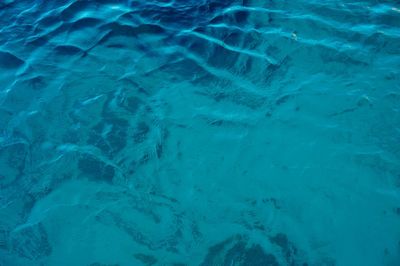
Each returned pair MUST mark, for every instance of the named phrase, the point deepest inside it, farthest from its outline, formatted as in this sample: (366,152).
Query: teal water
(204,132)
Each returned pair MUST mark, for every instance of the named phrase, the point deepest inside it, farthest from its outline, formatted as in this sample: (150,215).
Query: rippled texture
(199,132)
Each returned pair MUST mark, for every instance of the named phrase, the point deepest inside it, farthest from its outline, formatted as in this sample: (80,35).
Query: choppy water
(199,132)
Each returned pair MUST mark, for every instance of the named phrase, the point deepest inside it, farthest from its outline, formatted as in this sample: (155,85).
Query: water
(199,132)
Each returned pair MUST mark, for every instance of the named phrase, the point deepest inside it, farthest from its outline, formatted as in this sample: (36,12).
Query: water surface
(204,132)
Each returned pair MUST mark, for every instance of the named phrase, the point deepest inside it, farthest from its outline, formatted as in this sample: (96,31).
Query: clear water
(199,132)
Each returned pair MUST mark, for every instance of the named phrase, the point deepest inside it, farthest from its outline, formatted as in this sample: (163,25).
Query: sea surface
(199,132)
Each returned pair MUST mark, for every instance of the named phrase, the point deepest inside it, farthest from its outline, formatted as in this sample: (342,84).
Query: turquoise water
(203,132)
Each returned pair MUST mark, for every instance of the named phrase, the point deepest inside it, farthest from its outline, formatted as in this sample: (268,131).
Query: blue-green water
(203,132)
